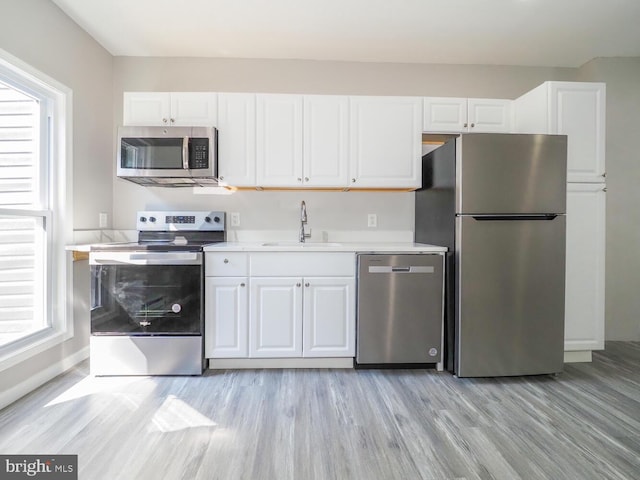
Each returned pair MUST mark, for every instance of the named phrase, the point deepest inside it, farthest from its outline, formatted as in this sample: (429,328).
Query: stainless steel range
(147,296)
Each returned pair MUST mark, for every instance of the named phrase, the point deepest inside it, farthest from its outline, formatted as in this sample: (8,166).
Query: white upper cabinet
(279,140)
(385,142)
(452,114)
(489,115)
(445,114)
(302,141)
(575,109)
(584,300)
(237,139)
(171,109)
(325,141)
(146,108)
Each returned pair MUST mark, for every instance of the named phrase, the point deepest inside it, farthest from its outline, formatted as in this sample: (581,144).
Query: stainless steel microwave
(168,156)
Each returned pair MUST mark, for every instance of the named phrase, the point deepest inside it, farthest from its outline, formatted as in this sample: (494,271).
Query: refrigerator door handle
(483,218)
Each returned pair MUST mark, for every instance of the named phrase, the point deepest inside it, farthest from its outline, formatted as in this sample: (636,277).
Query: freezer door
(510,296)
(511,173)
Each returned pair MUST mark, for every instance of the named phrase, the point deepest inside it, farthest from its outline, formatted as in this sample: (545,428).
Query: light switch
(372,220)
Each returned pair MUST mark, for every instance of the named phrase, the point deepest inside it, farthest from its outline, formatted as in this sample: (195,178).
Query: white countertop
(359,247)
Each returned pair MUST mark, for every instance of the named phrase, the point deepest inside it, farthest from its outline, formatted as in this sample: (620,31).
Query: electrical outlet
(235,219)
(372,220)
(103,220)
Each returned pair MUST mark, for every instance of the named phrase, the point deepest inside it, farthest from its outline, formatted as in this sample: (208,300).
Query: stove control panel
(154,220)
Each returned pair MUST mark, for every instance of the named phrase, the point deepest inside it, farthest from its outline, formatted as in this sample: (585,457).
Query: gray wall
(38,33)
(622,76)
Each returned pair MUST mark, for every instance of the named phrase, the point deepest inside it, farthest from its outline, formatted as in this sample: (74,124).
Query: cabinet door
(325,141)
(275,317)
(445,114)
(237,139)
(489,115)
(226,317)
(194,109)
(578,110)
(329,325)
(146,108)
(279,140)
(385,142)
(584,305)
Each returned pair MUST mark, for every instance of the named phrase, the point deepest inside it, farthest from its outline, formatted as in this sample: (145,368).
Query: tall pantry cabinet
(577,109)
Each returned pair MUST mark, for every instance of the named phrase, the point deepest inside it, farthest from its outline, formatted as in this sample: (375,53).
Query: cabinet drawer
(302,264)
(226,264)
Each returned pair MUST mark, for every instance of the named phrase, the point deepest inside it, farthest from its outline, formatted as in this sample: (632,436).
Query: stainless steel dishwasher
(400,310)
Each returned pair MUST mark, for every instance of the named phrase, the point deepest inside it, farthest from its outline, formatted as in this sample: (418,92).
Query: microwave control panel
(198,153)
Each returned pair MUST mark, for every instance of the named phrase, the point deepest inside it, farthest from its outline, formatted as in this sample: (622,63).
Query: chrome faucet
(303,219)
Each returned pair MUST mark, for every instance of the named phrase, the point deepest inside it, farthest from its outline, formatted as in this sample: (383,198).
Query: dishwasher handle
(392,269)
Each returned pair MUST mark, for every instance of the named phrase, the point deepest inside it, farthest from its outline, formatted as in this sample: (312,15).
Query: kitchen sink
(301,245)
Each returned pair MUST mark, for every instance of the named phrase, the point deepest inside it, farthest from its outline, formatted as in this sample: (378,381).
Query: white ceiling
(564,33)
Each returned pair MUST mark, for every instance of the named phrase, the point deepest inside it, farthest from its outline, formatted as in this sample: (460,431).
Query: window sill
(31,345)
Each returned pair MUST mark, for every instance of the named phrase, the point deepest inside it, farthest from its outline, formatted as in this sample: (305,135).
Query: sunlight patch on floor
(139,387)
(174,414)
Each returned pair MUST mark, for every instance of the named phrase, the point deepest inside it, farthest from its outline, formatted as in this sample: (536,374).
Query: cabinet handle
(226,260)
(306,284)
(221,177)
(306,179)
(173,120)
(299,179)
(604,189)
(242,284)
(604,175)
(473,125)
(298,284)
(164,120)
(353,180)
(465,125)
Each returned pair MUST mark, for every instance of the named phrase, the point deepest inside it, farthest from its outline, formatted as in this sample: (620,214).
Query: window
(33,173)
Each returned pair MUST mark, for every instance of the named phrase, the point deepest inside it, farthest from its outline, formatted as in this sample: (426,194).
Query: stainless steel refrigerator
(498,202)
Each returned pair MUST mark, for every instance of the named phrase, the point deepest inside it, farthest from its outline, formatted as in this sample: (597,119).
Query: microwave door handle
(185,153)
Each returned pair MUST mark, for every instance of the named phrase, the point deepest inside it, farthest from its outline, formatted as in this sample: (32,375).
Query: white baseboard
(9,396)
(577,356)
(239,363)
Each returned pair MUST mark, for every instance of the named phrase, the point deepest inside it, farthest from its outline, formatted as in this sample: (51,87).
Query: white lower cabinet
(328,317)
(226,317)
(289,305)
(584,306)
(302,316)
(275,318)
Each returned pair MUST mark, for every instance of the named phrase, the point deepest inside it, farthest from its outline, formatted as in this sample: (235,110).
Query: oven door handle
(145,258)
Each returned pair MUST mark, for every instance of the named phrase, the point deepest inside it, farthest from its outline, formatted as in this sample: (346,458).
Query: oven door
(146,293)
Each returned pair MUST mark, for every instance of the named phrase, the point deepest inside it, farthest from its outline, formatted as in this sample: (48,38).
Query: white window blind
(22,232)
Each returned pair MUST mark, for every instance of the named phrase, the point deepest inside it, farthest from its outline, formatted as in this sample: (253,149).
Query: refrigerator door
(511,173)
(509,296)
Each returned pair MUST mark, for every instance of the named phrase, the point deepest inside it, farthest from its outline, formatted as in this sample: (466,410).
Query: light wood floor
(340,424)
